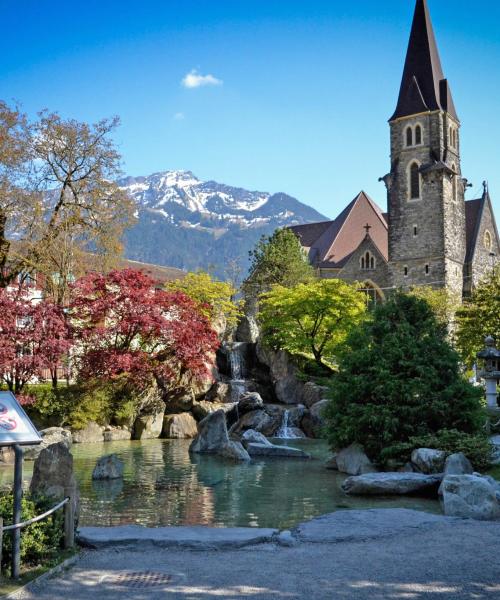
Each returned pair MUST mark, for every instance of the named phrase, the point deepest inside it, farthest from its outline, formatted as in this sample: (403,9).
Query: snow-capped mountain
(188,223)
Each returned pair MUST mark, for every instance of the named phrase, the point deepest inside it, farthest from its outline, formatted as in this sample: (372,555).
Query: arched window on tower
(409,136)
(414,177)
(418,135)
(450,136)
(487,240)
(454,189)
(455,145)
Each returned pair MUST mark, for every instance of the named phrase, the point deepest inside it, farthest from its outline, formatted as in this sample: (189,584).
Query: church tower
(426,201)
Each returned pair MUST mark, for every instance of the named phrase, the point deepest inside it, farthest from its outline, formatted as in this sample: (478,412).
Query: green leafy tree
(399,378)
(479,317)
(443,304)
(215,298)
(311,319)
(277,260)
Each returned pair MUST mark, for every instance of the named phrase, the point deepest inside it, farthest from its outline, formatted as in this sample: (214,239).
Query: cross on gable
(367,227)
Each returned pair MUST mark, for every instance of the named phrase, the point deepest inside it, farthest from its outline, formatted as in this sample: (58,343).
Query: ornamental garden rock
(108,467)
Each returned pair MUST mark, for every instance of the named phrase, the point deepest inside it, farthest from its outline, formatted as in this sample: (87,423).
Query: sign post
(16,430)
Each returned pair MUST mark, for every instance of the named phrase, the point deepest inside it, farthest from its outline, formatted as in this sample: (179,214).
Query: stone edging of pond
(341,526)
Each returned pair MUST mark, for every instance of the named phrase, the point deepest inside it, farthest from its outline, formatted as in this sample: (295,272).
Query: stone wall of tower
(426,235)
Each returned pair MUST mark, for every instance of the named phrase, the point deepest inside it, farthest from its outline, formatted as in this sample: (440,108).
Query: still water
(164,485)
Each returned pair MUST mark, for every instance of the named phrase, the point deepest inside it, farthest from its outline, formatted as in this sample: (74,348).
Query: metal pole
(69,524)
(18,494)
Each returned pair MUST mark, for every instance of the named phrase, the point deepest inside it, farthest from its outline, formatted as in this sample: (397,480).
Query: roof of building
(423,87)
(159,273)
(332,243)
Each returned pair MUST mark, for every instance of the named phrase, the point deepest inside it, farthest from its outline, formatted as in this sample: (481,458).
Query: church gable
(484,245)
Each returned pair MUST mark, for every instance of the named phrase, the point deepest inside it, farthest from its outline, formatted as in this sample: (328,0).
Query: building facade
(430,234)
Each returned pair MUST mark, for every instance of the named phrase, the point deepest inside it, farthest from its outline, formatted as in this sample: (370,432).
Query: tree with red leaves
(126,326)
(34,335)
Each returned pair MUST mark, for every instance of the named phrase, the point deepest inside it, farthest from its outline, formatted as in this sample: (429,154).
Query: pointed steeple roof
(424,86)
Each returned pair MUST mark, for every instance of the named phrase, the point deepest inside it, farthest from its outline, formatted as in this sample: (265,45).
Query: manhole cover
(138,580)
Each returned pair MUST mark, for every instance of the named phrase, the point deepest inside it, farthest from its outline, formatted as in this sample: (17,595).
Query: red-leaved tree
(126,326)
(34,336)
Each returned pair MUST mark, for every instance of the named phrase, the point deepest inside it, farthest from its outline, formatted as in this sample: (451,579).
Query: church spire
(423,87)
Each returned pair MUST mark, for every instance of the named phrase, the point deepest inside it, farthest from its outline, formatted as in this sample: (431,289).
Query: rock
(495,454)
(220,392)
(284,374)
(53,475)
(117,434)
(51,435)
(257,420)
(275,451)
(235,451)
(203,409)
(179,427)
(428,460)
(90,434)
(375,484)
(212,434)
(247,330)
(313,393)
(313,422)
(249,402)
(108,467)
(7,455)
(458,464)
(286,539)
(148,426)
(254,437)
(331,463)
(470,497)
(353,461)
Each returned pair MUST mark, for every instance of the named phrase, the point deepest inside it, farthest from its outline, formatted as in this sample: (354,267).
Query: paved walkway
(351,555)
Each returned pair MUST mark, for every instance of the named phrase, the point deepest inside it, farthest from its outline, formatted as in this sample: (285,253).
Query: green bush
(477,448)
(398,379)
(40,541)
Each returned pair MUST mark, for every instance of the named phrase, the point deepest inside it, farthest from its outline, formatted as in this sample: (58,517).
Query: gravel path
(445,559)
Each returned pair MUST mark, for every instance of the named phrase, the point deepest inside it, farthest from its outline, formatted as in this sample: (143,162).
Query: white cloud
(195,80)
(179,116)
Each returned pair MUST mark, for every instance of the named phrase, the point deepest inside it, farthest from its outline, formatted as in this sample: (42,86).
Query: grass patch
(7,586)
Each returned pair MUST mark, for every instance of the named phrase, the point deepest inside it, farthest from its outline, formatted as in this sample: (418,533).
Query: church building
(430,235)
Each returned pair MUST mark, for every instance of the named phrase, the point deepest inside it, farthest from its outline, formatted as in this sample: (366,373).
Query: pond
(164,485)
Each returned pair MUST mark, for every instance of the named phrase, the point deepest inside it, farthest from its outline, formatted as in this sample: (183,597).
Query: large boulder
(250,401)
(212,434)
(313,393)
(388,484)
(284,374)
(456,464)
(276,451)
(428,460)
(53,475)
(92,433)
(254,437)
(234,451)
(203,408)
(179,426)
(51,435)
(108,467)
(313,422)
(220,393)
(258,420)
(247,330)
(495,454)
(148,426)
(472,497)
(353,461)
(116,434)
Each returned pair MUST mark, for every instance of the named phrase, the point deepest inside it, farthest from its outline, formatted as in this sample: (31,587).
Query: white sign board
(15,426)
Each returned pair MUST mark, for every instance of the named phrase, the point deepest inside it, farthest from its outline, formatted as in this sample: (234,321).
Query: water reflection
(164,485)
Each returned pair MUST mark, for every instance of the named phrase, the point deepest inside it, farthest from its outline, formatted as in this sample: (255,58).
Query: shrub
(477,448)
(40,541)
(399,378)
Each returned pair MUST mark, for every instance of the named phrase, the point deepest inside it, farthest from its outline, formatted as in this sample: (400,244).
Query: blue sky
(301,90)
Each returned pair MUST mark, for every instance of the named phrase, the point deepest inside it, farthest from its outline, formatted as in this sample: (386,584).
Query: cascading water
(285,432)
(237,383)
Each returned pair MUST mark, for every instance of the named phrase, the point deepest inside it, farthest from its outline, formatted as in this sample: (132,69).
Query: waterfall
(237,383)
(286,432)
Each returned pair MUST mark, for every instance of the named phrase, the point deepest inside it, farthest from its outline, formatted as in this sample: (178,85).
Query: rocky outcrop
(456,464)
(179,426)
(53,474)
(258,420)
(247,330)
(284,375)
(381,484)
(220,392)
(250,401)
(149,426)
(353,461)
(213,438)
(51,435)
(472,497)
(116,434)
(313,422)
(428,460)
(272,450)
(92,433)
(254,437)
(108,467)
(313,393)
(203,409)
